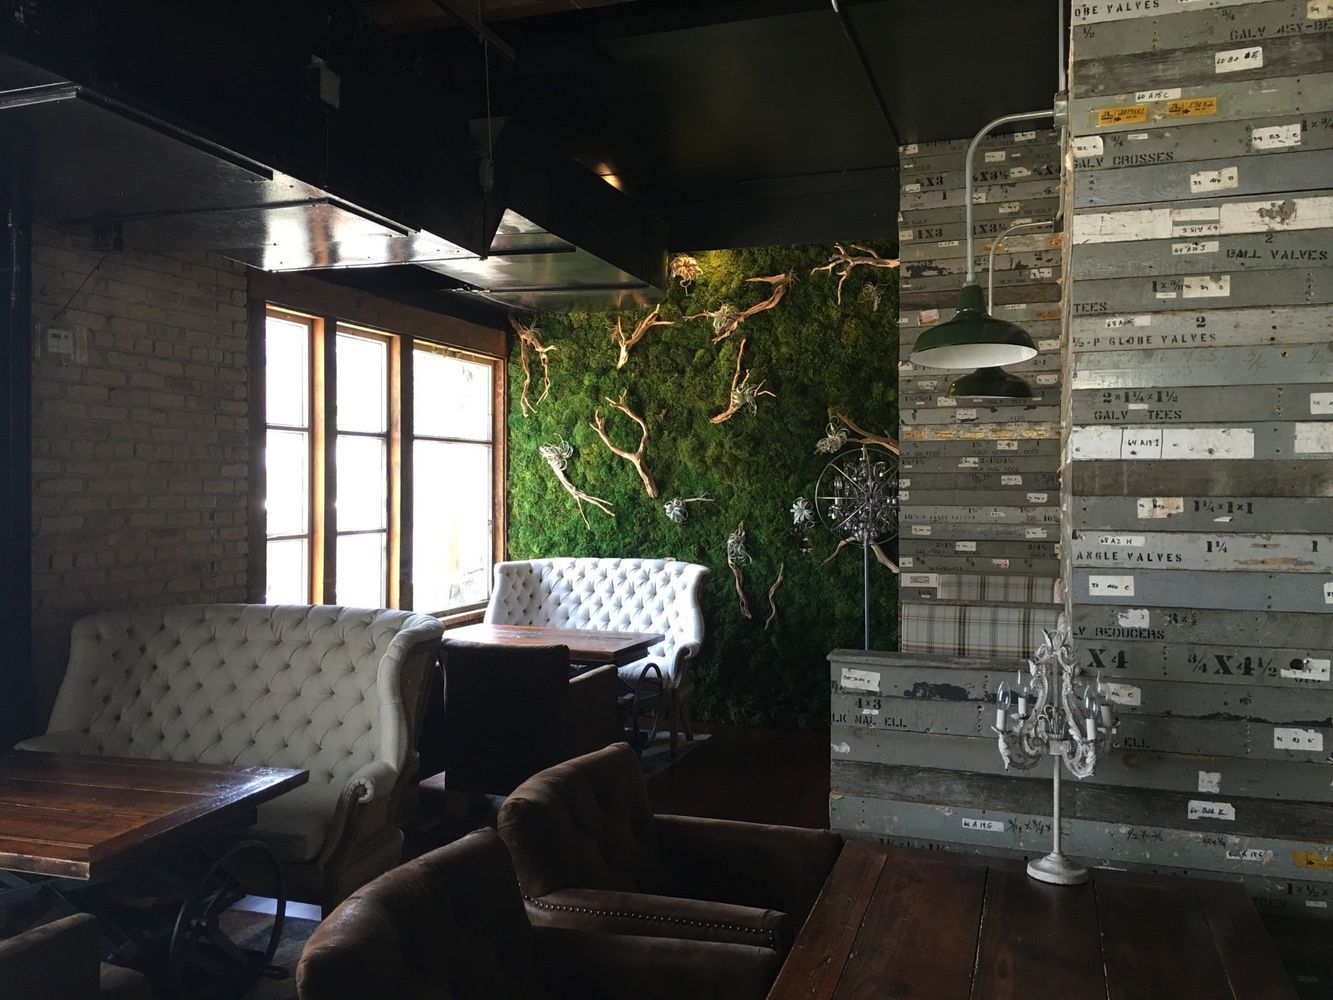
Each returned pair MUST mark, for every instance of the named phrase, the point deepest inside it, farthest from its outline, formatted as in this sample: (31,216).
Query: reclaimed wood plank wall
(980,480)
(1192,488)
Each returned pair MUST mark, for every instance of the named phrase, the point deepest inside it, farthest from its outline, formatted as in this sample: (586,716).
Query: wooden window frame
(328,307)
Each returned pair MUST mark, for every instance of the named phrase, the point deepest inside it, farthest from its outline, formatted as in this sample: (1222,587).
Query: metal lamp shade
(990,383)
(973,339)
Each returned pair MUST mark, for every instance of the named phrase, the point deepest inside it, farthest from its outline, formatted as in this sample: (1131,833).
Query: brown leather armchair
(506,714)
(59,961)
(591,855)
(451,924)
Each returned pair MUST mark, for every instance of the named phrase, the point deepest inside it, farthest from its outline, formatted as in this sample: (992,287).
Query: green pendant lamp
(973,338)
(990,383)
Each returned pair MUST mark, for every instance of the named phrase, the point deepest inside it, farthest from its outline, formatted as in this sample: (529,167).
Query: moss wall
(816,356)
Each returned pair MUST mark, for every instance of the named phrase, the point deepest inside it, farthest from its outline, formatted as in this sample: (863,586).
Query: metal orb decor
(1034,722)
(856,498)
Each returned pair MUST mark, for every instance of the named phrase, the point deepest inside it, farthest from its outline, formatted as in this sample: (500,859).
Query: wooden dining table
(77,817)
(587,647)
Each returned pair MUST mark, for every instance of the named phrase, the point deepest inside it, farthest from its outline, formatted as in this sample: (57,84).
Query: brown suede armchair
(504,714)
(451,925)
(591,855)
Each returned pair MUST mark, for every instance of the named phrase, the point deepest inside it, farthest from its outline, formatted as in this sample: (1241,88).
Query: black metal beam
(16,673)
(457,9)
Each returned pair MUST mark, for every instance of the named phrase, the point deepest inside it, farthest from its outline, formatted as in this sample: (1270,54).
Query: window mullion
(325,446)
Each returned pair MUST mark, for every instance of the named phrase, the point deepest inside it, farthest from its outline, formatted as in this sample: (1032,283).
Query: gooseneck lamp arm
(1024,116)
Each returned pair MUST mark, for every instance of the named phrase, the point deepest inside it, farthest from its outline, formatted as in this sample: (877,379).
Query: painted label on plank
(1309,669)
(1160,507)
(1121,586)
(1308,740)
(1210,782)
(1128,114)
(1238,60)
(1202,809)
(988,825)
(1275,136)
(1205,181)
(859,680)
(1314,439)
(1192,107)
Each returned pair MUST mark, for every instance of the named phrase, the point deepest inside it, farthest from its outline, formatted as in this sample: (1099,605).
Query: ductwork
(323,149)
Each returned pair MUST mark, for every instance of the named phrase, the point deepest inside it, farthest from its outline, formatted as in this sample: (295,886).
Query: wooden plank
(953,252)
(998,451)
(1021,920)
(1028,412)
(1016,432)
(1196,28)
(1233,552)
(1087,12)
(817,958)
(1212,101)
(1231,777)
(1201,404)
(1210,366)
(920,933)
(1268,657)
(1171,588)
(1171,330)
(1186,627)
(912,545)
(947,298)
(1157,944)
(1198,513)
(1028,314)
(1262,441)
(1011,259)
(1306,170)
(1193,220)
(1264,864)
(1035,504)
(1240,478)
(975,564)
(1252,965)
(991,532)
(916,196)
(1220,290)
(1000,214)
(979,517)
(1255,60)
(1000,141)
(1245,251)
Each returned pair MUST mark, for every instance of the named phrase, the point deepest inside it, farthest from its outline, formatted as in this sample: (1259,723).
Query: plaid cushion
(973,630)
(996,589)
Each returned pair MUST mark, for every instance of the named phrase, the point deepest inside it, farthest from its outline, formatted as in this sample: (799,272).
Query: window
(380,468)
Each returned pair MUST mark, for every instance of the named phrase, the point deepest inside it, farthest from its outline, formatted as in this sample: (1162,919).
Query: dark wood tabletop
(918,925)
(75,816)
(586,646)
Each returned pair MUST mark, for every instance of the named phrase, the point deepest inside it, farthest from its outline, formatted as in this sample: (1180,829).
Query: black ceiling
(744,122)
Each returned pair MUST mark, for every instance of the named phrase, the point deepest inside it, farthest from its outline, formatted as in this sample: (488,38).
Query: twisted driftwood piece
(743,394)
(557,457)
(880,555)
(528,338)
(864,436)
(737,556)
(842,263)
(635,457)
(772,604)
(726,318)
(627,343)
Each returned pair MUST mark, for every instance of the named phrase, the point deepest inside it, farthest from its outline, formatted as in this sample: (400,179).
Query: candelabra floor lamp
(1044,717)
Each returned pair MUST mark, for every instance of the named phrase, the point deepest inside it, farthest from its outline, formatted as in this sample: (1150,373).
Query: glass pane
(451,545)
(362,573)
(362,486)
(288,572)
(452,396)
(287,372)
(287,465)
(363,378)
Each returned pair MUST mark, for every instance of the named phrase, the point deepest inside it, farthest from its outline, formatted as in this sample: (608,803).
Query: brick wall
(140,455)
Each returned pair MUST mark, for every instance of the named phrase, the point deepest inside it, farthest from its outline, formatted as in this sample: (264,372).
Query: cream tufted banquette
(618,595)
(337,691)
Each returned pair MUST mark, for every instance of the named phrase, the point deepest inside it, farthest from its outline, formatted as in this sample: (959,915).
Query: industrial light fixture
(992,383)
(973,338)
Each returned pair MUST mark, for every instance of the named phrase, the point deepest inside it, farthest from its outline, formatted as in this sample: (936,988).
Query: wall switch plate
(60,340)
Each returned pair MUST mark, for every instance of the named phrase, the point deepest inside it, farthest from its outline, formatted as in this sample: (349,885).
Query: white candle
(1091,727)
(999,719)
(1106,716)
(1022,706)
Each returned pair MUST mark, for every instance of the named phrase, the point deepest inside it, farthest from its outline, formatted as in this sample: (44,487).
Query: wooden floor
(756,775)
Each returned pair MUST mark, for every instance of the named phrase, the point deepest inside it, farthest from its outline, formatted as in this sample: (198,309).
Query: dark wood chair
(503,714)
(59,961)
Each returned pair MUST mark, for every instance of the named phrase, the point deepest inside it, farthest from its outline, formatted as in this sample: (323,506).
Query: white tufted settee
(618,595)
(337,691)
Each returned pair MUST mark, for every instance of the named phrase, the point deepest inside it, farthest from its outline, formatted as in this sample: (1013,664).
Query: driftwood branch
(635,457)
(864,436)
(627,343)
(557,457)
(843,263)
(528,339)
(880,555)
(727,319)
(772,604)
(737,556)
(743,394)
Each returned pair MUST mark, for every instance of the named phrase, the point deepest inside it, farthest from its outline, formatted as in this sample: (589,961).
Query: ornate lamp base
(1058,870)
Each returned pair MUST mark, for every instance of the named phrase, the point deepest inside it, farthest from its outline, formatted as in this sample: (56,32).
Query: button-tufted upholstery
(333,690)
(618,595)
(590,854)
(451,924)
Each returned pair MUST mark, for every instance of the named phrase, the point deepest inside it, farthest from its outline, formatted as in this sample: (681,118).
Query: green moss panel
(817,356)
